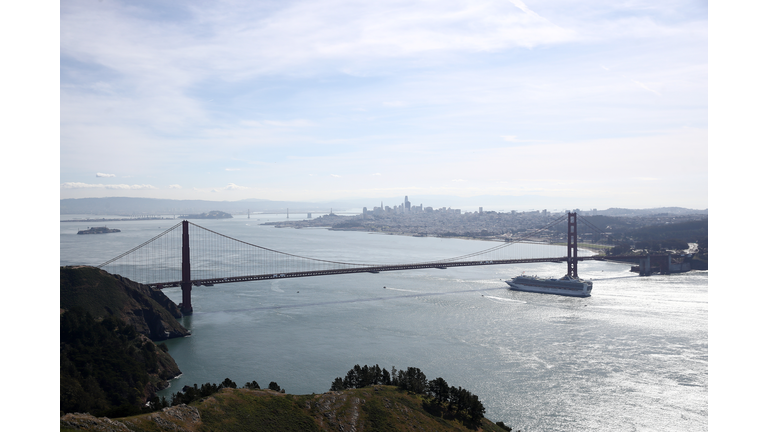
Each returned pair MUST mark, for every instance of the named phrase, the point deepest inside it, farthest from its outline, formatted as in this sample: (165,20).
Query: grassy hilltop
(374,408)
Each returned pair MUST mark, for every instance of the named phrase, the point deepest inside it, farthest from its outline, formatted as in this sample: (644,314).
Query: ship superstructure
(566,285)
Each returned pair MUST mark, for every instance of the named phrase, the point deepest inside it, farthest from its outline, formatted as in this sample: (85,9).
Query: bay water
(632,357)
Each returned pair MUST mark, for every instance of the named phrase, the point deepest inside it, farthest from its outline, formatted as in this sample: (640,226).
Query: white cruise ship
(566,285)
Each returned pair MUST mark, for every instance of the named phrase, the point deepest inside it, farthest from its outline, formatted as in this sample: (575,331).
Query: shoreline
(405,234)
(116,220)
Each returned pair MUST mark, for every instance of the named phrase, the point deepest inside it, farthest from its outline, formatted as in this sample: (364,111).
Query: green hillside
(109,364)
(106,367)
(374,408)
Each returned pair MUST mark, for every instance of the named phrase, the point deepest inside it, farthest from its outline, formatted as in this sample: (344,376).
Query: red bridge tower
(572,247)
(186,272)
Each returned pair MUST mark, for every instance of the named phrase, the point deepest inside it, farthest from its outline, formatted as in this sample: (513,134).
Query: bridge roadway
(371,269)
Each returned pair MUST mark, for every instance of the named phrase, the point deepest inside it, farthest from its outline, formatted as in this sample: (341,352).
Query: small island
(98,230)
(215,214)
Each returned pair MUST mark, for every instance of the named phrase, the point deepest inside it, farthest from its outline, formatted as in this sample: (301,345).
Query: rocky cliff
(101,294)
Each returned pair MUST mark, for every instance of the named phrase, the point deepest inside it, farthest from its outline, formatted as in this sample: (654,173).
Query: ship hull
(564,287)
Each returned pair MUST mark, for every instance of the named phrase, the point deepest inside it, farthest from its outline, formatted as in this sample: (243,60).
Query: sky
(593,104)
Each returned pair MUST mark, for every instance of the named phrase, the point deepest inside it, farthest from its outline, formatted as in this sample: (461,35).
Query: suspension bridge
(188,255)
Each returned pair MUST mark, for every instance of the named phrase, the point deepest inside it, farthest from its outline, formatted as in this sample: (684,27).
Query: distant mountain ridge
(130,206)
(137,206)
(646,212)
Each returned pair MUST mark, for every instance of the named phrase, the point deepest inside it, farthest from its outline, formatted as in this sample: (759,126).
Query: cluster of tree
(359,377)
(690,231)
(662,245)
(192,393)
(444,399)
(348,224)
(624,248)
(670,236)
(105,366)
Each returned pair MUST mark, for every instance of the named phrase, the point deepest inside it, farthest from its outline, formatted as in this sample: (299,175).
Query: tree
(253,385)
(228,383)
(385,378)
(476,410)
(439,389)
(273,386)
(353,378)
(413,379)
(338,384)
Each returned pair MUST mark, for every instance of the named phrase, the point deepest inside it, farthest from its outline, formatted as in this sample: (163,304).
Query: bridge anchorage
(208,258)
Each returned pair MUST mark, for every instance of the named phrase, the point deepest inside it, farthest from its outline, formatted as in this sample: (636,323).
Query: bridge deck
(371,269)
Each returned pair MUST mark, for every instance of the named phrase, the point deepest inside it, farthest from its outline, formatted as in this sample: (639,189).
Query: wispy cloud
(300,33)
(288,123)
(645,87)
(76,185)
(174,186)
(636,82)
(104,175)
(394,104)
(233,186)
(514,138)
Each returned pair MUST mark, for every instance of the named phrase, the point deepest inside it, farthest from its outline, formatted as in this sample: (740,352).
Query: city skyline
(603,104)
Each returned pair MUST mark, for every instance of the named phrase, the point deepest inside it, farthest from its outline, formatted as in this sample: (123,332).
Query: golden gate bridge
(188,255)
